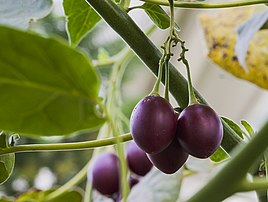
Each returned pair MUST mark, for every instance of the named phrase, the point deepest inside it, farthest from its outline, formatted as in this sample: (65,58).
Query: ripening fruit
(199,130)
(137,160)
(105,174)
(153,124)
(171,159)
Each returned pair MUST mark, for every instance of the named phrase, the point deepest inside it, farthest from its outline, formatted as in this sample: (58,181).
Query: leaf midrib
(50,89)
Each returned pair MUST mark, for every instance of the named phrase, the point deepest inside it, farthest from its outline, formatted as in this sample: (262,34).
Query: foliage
(50,88)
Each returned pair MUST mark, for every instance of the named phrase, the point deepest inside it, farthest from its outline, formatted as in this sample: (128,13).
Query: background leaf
(245,33)
(219,155)
(157,15)
(220,34)
(47,88)
(156,187)
(234,126)
(81,18)
(248,127)
(37,196)
(7,161)
(19,13)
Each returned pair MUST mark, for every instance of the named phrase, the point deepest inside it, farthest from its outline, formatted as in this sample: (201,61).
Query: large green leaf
(157,15)
(7,161)
(20,13)
(81,18)
(46,87)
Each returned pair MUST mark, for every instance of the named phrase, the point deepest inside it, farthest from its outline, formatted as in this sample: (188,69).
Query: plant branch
(150,55)
(234,172)
(181,4)
(66,146)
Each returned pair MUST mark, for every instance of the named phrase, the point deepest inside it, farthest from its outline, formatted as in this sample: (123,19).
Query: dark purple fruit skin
(137,160)
(153,124)
(133,181)
(105,174)
(199,130)
(171,159)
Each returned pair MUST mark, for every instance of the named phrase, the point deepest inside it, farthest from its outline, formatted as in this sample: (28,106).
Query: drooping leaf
(219,155)
(20,13)
(156,187)
(46,87)
(220,34)
(74,195)
(81,18)
(7,161)
(245,33)
(248,128)
(234,126)
(157,15)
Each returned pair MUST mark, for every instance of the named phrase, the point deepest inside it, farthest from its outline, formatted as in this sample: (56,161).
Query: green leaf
(20,13)
(7,161)
(219,155)
(46,87)
(37,196)
(5,199)
(157,15)
(156,187)
(234,126)
(248,127)
(81,18)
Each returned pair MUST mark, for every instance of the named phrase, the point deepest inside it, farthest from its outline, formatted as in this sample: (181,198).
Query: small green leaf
(219,155)
(7,161)
(5,199)
(156,187)
(37,196)
(157,15)
(234,126)
(20,13)
(248,128)
(47,88)
(81,18)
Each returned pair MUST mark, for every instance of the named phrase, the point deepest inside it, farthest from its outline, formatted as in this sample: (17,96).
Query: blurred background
(231,97)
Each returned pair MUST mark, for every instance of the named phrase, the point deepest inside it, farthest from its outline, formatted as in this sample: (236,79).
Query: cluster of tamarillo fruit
(105,171)
(162,138)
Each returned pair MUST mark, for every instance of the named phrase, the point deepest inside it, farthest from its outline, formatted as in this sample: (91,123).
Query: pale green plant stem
(182,4)
(74,146)
(75,180)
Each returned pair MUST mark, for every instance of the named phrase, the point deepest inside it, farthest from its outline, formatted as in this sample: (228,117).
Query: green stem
(167,77)
(66,146)
(150,55)
(192,98)
(88,193)
(233,173)
(161,65)
(256,184)
(182,4)
(75,180)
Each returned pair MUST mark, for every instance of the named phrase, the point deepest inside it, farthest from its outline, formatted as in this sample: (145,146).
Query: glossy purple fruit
(137,160)
(199,130)
(105,174)
(171,159)
(153,124)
